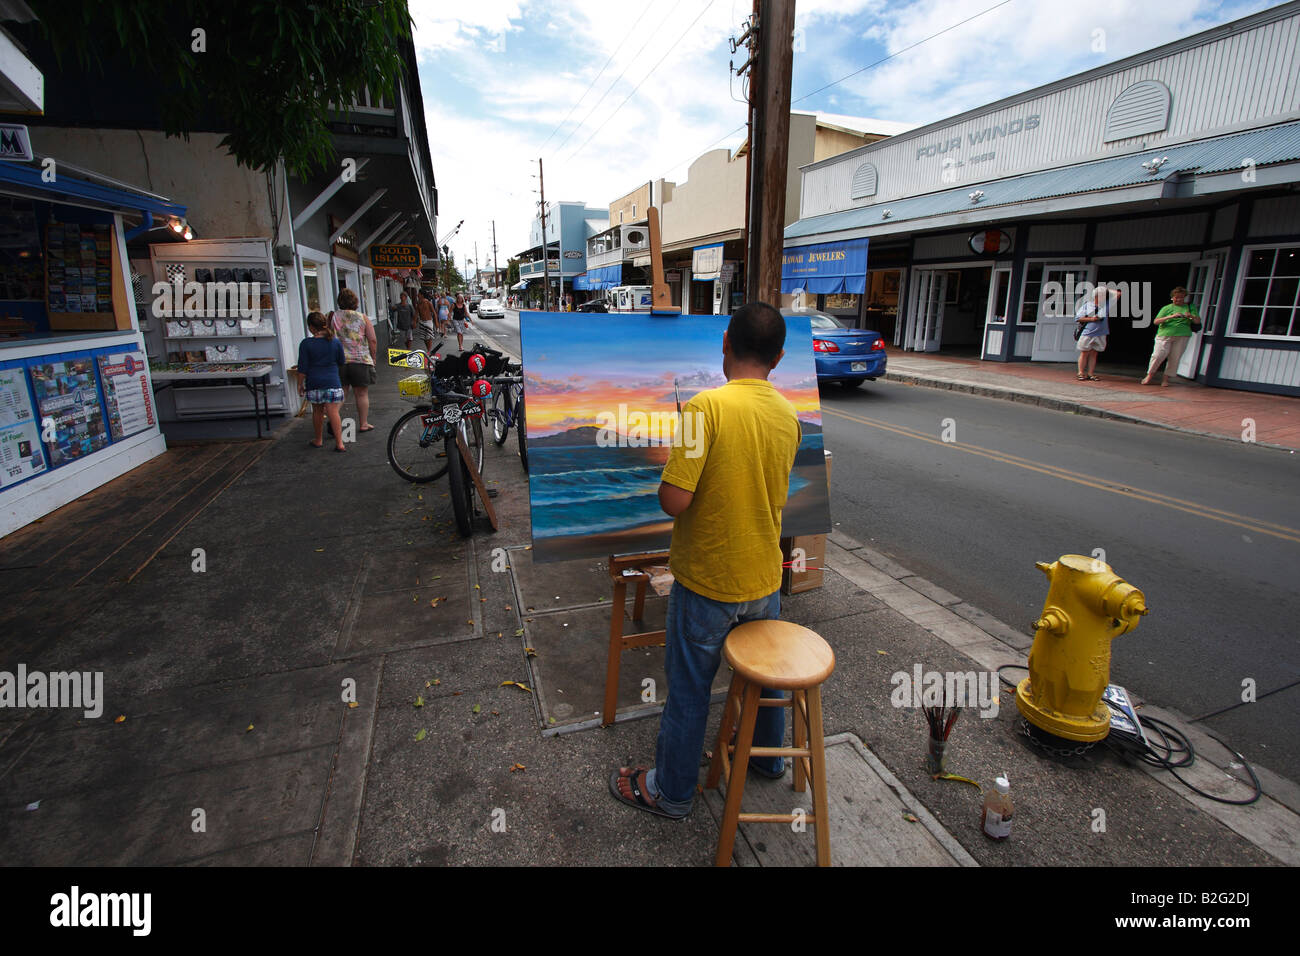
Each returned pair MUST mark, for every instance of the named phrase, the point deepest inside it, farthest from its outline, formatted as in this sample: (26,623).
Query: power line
(598,75)
(620,76)
(902,51)
(869,66)
(644,78)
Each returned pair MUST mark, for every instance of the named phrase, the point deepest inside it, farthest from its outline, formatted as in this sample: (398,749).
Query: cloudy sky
(614,93)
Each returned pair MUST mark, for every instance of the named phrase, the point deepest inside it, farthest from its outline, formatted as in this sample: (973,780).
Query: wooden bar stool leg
(615,654)
(736,779)
(818,748)
(799,737)
(725,731)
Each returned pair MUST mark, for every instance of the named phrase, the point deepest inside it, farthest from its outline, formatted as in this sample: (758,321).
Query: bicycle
(416,447)
(508,409)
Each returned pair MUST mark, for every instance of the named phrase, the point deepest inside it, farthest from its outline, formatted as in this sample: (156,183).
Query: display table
(248,374)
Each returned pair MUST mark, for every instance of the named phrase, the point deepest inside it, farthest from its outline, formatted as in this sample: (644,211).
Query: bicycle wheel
(462,490)
(521,432)
(500,415)
(472,429)
(415,450)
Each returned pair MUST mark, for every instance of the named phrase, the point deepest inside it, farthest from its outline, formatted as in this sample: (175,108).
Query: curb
(1059,404)
(1269,824)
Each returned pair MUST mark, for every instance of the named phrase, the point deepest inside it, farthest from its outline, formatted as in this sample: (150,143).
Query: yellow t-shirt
(726,545)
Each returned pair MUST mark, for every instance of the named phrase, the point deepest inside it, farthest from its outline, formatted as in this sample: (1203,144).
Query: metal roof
(1273,144)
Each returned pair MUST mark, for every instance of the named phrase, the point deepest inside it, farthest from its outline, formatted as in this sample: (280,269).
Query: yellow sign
(404,358)
(396,257)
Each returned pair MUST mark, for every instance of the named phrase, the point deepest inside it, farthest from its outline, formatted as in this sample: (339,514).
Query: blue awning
(606,277)
(825,268)
(67,188)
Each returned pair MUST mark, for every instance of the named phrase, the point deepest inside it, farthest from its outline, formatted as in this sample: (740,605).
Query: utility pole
(496,284)
(769,148)
(546,256)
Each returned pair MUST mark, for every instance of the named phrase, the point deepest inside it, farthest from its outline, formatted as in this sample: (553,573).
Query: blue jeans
(697,628)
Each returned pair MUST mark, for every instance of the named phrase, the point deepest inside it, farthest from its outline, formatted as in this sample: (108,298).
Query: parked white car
(491,309)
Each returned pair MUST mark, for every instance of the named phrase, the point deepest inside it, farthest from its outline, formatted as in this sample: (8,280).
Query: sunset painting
(590,379)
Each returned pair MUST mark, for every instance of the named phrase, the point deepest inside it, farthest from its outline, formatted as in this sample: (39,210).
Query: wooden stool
(781,656)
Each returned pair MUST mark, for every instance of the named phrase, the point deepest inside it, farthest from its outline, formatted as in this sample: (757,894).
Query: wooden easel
(661,302)
(477,479)
(618,641)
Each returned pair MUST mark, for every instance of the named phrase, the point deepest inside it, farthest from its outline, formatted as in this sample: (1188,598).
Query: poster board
(128,397)
(21,454)
(591,497)
(67,393)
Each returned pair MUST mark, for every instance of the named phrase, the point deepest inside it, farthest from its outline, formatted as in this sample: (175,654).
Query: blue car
(845,355)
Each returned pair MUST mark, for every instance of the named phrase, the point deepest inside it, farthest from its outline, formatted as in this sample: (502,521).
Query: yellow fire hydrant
(1088,605)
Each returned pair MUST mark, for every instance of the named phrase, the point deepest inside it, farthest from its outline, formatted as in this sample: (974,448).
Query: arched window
(1142,108)
(864,182)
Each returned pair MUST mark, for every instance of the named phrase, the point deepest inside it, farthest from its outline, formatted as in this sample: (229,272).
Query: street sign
(15,144)
(396,257)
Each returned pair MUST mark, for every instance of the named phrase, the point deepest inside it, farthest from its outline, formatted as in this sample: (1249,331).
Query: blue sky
(614,93)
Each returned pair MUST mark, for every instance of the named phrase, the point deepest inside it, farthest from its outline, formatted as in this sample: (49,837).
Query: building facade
(1177,166)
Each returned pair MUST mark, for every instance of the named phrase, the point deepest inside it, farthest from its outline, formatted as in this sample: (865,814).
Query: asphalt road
(1208,529)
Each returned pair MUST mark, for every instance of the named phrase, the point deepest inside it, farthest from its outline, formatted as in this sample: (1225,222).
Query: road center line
(1102,484)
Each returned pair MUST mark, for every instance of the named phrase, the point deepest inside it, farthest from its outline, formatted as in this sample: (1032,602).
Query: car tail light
(821,345)
(878,345)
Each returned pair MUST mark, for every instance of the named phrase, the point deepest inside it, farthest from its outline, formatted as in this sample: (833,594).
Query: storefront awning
(520,286)
(825,268)
(606,277)
(30,180)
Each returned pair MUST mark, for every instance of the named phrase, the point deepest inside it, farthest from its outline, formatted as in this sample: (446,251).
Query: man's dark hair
(756,333)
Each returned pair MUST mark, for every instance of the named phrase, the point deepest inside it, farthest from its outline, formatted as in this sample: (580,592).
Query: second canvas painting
(602,405)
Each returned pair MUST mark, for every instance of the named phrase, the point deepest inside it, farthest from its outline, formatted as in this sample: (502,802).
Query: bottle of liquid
(995,818)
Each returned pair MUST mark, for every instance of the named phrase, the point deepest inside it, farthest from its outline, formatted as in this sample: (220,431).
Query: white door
(1200,280)
(1054,327)
(995,316)
(925,320)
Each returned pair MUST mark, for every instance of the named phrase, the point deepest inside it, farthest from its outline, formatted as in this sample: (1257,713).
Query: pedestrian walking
(426,324)
(443,305)
(1093,314)
(1175,324)
(320,364)
(357,335)
(460,320)
(726,501)
(404,318)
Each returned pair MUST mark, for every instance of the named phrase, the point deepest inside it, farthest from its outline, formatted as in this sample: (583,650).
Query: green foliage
(512,272)
(268,72)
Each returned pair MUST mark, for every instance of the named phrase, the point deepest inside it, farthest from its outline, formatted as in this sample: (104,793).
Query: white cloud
(498,76)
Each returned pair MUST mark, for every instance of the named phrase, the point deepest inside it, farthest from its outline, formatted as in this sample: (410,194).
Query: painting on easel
(602,395)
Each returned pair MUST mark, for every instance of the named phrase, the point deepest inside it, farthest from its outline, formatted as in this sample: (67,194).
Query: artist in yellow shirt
(725,492)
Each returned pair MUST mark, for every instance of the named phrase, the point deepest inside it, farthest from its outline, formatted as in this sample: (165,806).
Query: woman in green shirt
(1173,332)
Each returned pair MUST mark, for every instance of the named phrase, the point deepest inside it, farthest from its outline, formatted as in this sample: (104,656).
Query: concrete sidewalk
(1184,406)
(340,683)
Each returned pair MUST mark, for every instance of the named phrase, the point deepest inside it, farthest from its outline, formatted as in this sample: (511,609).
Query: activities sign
(126,393)
(396,257)
(66,395)
(20,447)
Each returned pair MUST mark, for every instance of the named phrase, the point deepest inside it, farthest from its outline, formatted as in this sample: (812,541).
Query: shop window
(1029,300)
(1269,299)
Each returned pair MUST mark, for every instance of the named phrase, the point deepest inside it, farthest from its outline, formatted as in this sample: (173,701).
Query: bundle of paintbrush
(940,719)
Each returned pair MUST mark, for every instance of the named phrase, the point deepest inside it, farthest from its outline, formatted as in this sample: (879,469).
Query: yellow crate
(414,386)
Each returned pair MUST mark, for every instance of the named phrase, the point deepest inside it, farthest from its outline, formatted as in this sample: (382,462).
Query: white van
(629,298)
